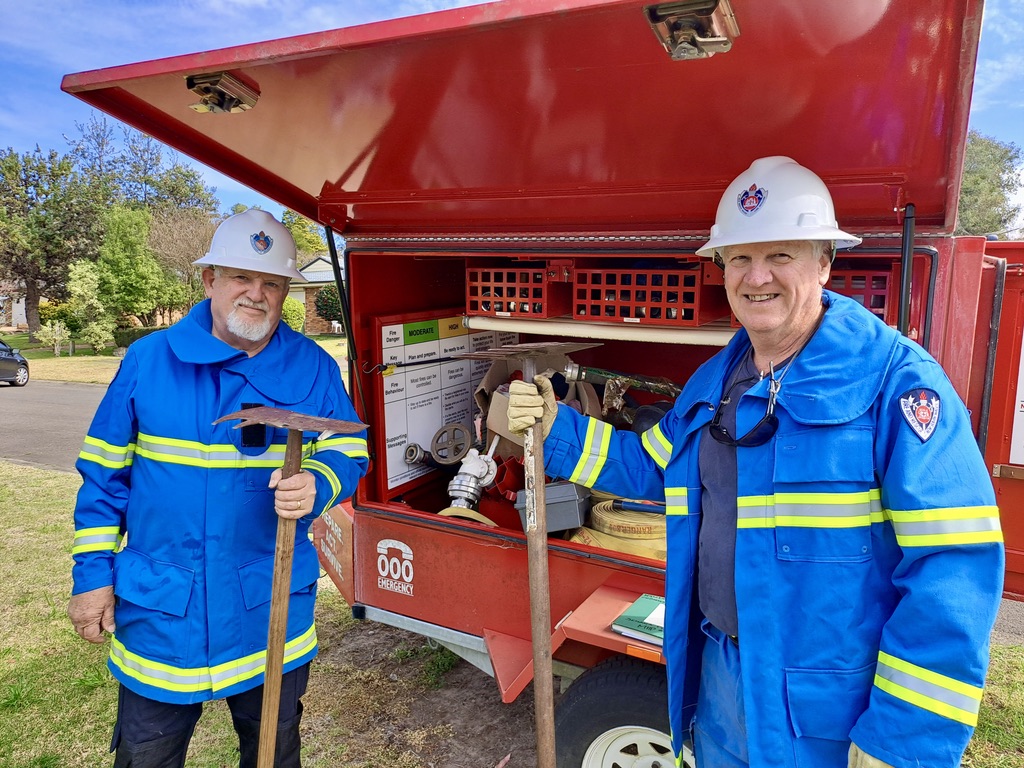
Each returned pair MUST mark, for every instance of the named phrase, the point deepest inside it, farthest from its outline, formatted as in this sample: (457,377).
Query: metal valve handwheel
(451,443)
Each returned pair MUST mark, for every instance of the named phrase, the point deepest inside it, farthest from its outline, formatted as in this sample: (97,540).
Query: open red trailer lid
(571,115)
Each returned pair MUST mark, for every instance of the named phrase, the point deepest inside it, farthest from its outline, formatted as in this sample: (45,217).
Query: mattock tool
(296,424)
(537,544)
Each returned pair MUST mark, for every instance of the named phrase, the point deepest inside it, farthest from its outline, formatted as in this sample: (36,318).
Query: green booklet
(643,620)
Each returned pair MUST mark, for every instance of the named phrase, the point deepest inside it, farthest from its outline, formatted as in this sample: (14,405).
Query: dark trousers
(152,734)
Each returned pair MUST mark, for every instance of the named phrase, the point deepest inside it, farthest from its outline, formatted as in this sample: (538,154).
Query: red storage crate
(875,289)
(517,291)
(669,296)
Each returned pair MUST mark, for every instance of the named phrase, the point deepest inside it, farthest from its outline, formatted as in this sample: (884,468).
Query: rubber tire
(21,377)
(619,692)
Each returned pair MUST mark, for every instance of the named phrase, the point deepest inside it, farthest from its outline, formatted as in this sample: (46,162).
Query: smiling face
(774,290)
(246,306)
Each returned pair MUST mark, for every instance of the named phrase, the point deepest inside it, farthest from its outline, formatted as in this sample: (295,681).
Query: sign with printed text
(428,388)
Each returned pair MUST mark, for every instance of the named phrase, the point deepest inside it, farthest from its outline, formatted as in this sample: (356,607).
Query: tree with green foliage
(327,303)
(136,170)
(130,281)
(48,219)
(98,158)
(96,323)
(293,313)
(991,178)
(306,233)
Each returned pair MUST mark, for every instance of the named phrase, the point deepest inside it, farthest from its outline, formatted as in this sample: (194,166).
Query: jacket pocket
(825,489)
(257,577)
(152,584)
(825,703)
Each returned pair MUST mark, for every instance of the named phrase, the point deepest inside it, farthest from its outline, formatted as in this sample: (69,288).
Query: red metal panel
(333,537)
(473,579)
(1008,400)
(529,115)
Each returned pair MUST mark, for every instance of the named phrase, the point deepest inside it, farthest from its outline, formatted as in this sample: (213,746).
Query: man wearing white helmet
(176,520)
(835,557)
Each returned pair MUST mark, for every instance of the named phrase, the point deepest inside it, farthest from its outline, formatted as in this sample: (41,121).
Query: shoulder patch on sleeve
(920,408)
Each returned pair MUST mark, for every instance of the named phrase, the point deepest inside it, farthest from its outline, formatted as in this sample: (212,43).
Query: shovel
(296,424)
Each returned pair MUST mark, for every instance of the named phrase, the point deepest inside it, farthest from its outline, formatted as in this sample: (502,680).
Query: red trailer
(540,171)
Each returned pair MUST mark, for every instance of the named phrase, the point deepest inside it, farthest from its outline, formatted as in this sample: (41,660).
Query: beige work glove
(528,403)
(92,613)
(861,759)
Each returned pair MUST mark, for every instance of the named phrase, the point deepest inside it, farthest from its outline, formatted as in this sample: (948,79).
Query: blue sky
(42,40)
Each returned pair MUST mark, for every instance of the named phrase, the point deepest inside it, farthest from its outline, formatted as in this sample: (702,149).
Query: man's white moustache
(255,305)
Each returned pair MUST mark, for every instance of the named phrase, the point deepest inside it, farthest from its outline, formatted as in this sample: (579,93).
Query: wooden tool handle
(277,633)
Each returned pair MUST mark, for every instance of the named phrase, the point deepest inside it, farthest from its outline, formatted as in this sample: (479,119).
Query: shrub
(293,313)
(60,312)
(98,334)
(327,303)
(54,333)
(123,337)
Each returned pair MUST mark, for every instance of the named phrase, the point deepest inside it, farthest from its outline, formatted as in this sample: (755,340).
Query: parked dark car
(13,367)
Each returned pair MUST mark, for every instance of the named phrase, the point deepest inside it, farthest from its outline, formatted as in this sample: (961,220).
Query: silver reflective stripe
(116,456)
(862,509)
(163,674)
(198,454)
(657,446)
(594,453)
(228,676)
(93,540)
(929,690)
(970,525)
(676,501)
(349,446)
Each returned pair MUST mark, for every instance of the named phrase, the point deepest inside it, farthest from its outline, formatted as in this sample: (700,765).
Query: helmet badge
(751,199)
(261,242)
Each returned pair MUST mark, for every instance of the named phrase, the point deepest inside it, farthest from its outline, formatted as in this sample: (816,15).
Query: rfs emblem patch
(261,242)
(751,199)
(920,408)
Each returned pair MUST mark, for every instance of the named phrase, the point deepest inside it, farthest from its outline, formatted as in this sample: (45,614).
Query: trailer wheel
(616,716)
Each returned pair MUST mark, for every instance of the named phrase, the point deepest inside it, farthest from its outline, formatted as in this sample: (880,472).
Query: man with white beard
(176,520)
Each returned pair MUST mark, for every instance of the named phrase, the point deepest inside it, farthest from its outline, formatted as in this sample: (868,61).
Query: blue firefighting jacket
(176,514)
(869,557)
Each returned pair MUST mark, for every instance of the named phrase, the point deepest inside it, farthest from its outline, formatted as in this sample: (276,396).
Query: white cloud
(999,83)
(1004,19)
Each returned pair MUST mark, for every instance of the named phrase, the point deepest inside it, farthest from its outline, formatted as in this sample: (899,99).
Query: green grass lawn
(88,367)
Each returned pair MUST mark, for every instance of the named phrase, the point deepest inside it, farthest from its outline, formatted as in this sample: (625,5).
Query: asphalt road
(43,424)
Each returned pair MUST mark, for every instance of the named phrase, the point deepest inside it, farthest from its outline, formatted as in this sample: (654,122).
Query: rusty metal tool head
(279,417)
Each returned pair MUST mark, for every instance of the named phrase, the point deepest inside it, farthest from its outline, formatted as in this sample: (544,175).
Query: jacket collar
(820,389)
(283,371)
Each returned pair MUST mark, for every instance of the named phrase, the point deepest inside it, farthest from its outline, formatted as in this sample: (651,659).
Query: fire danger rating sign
(428,389)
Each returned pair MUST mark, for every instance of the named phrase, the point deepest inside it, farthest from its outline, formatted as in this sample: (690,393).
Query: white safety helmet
(775,200)
(255,241)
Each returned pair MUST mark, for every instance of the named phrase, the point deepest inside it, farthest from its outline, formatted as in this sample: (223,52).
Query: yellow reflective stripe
(595,453)
(676,501)
(318,466)
(350,446)
(159,674)
(233,672)
(928,690)
(810,510)
(946,526)
(189,680)
(102,539)
(657,445)
(105,454)
(170,450)
(755,512)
